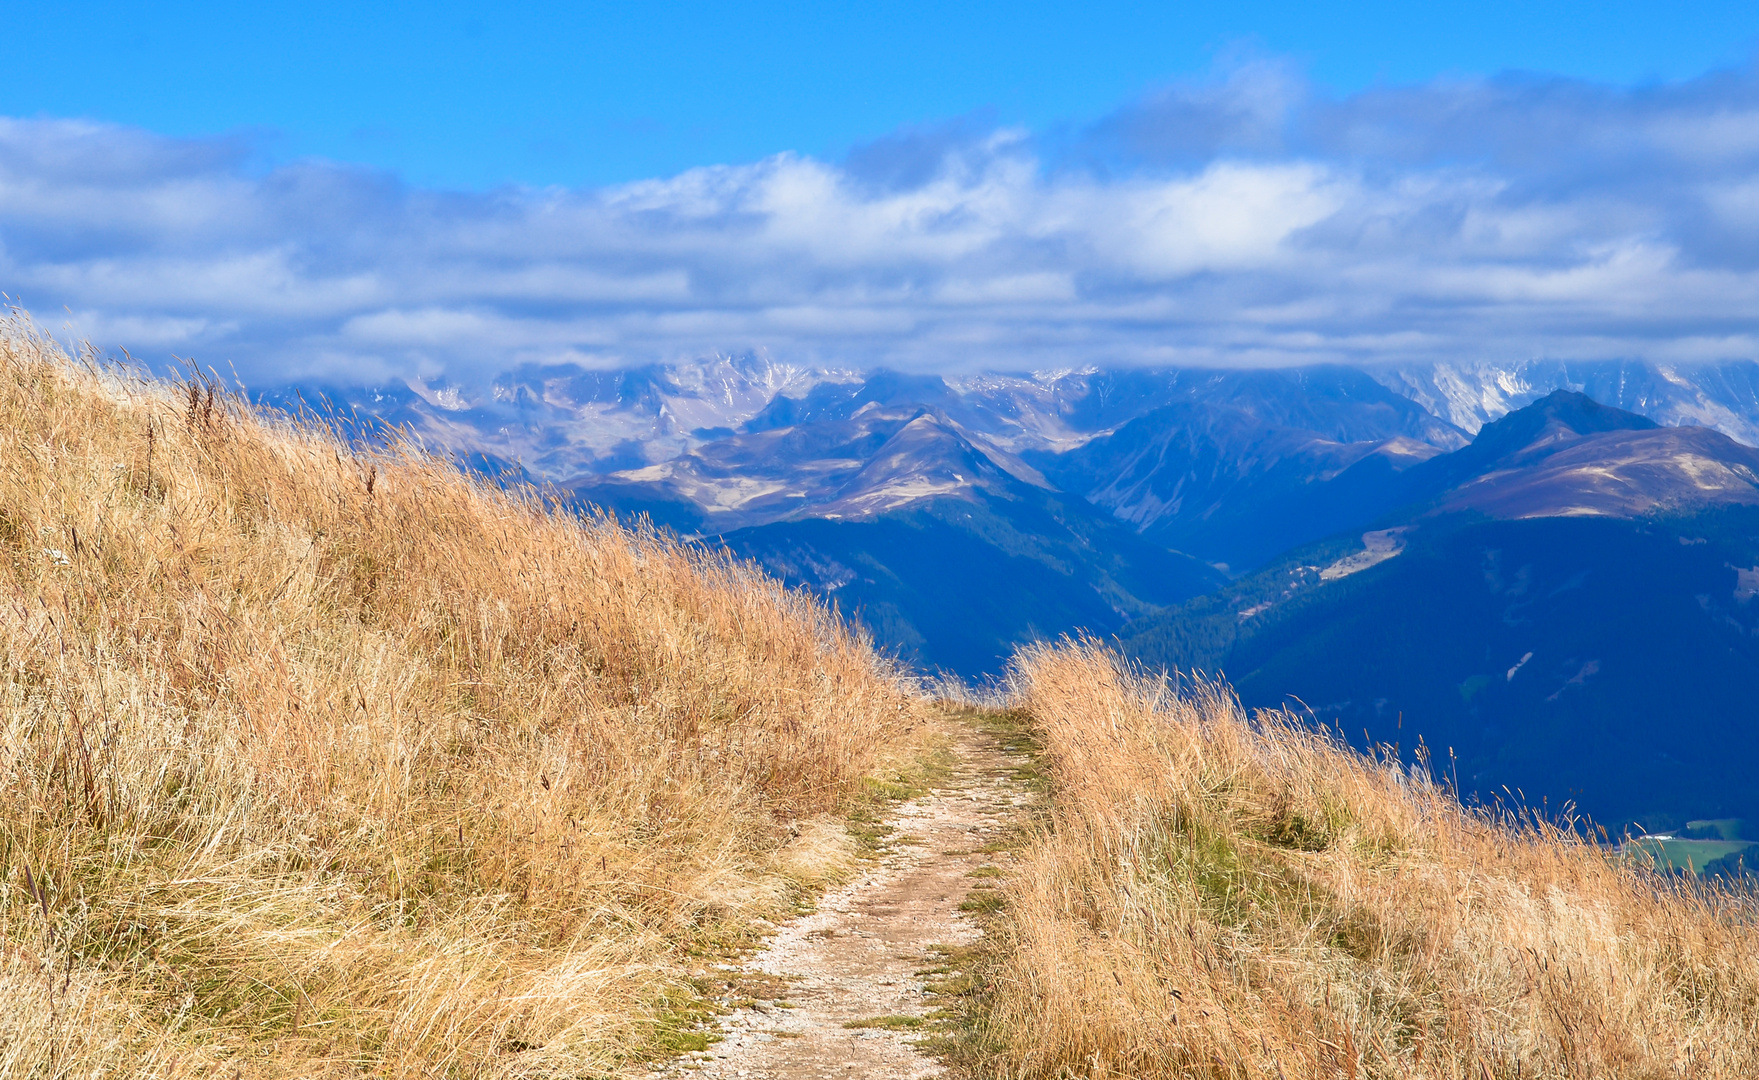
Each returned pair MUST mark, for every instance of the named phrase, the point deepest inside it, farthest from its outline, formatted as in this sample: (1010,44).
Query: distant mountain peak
(1567,455)
(1559,416)
(1530,434)
(931,456)
(1620,473)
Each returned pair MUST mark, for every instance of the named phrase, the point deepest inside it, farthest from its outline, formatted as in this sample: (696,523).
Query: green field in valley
(1698,846)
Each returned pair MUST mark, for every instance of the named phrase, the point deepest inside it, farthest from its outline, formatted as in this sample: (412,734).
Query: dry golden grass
(319,763)
(1223,897)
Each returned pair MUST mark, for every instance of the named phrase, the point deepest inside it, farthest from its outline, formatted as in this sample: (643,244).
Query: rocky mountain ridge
(564,423)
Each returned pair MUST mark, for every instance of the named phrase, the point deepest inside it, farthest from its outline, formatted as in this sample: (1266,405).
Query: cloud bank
(1246,219)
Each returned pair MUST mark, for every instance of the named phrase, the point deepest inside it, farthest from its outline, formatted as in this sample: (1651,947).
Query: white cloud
(1243,220)
(428,327)
(1232,216)
(147,332)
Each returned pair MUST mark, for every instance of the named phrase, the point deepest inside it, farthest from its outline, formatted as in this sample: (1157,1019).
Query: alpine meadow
(328,758)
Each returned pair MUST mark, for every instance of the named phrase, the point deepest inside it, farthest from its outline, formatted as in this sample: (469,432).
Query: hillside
(1222,897)
(322,762)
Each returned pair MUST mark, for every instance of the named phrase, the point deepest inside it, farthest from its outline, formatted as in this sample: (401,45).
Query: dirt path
(858,958)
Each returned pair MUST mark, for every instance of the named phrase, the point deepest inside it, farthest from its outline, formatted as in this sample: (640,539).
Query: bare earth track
(853,971)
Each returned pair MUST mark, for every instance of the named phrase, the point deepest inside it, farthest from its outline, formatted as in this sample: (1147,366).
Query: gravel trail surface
(853,972)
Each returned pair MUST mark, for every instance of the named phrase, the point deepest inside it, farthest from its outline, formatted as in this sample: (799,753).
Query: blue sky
(477,94)
(371,192)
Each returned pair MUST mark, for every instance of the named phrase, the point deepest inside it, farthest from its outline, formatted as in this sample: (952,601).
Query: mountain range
(1506,562)
(1232,468)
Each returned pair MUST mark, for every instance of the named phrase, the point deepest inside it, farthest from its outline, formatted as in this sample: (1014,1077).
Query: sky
(367,192)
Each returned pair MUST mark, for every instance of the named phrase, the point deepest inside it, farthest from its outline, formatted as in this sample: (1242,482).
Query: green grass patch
(1728,828)
(1691,855)
(984,902)
(682,1025)
(888,1023)
(959,985)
